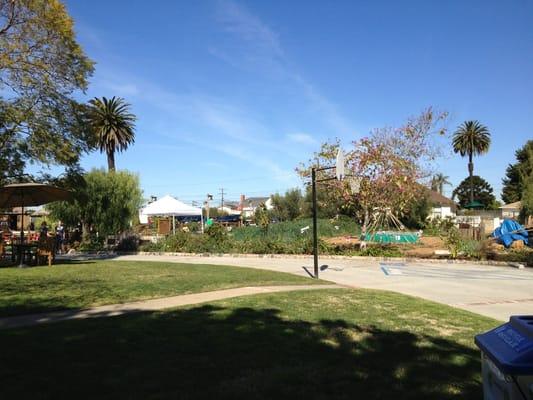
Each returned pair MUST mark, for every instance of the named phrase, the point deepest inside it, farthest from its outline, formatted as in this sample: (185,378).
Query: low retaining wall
(307,256)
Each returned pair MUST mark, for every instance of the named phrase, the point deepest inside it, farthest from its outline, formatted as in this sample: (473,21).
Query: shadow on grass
(8,263)
(74,262)
(232,353)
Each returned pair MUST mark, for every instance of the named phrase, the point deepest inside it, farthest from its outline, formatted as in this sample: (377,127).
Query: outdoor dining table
(25,250)
(26,194)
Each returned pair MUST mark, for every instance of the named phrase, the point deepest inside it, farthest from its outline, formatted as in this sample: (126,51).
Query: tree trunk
(366,220)
(111,160)
(471,174)
(364,229)
(85,236)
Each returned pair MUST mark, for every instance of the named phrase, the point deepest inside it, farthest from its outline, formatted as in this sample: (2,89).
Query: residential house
(511,210)
(442,207)
(248,205)
(230,208)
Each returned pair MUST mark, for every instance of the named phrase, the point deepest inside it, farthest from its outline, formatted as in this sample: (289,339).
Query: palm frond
(471,137)
(113,122)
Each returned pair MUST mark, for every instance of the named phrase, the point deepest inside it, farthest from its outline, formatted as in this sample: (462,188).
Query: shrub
(93,244)
(453,242)
(458,245)
(130,243)
(289,231)
(438,226)
(524,256)
(472,249)
(150,246)
(216,232)
(193,226)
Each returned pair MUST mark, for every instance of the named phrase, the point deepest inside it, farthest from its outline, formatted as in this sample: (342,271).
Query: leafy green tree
(483,192)
(113,125)
(215,212)
(387,166)
(330,202)
(287,207)
(438,181)
(518,174)
(262,217)
(470,139)
(329,196)
(527,200)
(41,67)
(417,213)
(106,201)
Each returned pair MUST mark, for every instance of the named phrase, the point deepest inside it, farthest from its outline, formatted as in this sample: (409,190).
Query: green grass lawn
(325,344)
(91,283)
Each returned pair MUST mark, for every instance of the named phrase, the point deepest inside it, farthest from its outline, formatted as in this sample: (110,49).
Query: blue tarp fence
(509,231)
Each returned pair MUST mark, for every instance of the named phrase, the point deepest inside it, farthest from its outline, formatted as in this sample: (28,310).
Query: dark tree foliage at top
(41,67)
(483,192)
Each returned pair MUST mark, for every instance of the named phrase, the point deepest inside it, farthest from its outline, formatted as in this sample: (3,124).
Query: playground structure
(386,228)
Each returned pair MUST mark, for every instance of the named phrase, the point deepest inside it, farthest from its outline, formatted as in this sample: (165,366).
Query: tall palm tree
(113,124)
(471,138)
(438,181)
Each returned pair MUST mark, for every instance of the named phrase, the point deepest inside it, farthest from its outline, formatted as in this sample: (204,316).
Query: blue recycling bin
(507,360)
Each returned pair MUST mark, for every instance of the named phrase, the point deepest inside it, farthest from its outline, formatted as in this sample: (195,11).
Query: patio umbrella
(30,194)
(474,205)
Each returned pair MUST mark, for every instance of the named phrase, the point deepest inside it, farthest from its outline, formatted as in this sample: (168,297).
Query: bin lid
(510,346)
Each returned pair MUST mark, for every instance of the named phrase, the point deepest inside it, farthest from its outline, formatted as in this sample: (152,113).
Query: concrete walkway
(150,305)
(494,291)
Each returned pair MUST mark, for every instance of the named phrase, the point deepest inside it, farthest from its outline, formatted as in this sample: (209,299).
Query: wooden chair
(46,248)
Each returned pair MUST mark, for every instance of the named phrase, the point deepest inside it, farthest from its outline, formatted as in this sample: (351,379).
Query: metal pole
(315,230)
(21,250)
(202,218)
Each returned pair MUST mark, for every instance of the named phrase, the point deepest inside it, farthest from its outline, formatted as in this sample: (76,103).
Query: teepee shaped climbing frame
(386,228)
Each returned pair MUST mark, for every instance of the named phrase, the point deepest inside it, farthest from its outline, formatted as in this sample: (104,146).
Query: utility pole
(209,197)
(222,198)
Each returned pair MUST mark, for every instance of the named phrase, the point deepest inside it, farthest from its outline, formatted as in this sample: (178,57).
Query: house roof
(255,201)
(517,205)
(439,200)
(231,204)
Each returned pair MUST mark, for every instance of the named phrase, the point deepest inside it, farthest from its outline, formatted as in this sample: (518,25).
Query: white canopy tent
(168,206)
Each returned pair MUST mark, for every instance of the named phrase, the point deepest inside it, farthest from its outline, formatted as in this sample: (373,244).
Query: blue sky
(235,94)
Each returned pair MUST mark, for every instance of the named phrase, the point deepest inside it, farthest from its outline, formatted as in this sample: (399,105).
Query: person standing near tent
(43,231)
(60,237)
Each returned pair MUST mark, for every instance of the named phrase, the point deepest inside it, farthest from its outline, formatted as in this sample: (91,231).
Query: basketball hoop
(339,165)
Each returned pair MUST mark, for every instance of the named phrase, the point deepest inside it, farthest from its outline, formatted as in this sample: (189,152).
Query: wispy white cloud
(222,124)
(248,156)
(211,123)
(259,160)
(238,20)
(261,49)
(302,138)
(125,89)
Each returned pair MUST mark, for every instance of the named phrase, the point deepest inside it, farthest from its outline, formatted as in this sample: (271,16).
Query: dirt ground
(425,248)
